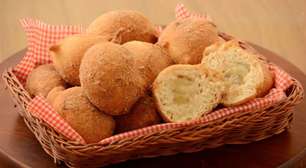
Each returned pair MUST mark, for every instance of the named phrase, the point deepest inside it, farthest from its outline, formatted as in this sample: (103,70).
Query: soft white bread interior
(245,75)
(186,92)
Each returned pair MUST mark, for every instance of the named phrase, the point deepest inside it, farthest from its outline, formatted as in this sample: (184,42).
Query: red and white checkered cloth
(41,109)
(41,36)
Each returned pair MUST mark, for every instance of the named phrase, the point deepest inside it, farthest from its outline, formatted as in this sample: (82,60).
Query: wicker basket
(237,128)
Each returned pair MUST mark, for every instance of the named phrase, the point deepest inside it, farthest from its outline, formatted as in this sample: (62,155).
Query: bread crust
(54,93)
(82,116)
(68,53)
(42,79)
(268,81)
(110,78)
(150,59)
(123,26)
(142,114)
(186,39)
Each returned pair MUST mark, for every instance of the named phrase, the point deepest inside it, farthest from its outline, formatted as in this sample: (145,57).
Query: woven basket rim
(77,144)
(61,148)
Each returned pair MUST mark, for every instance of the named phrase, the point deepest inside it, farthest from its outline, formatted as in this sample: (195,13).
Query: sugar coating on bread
(82,116)
(68,53)
(245,74)
(124,26)
(186,92)
(150,59)
(42,79)
(186,39)
(142,114)
(110,78)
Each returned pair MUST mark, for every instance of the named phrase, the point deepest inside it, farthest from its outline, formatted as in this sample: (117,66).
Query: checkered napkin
(40,36)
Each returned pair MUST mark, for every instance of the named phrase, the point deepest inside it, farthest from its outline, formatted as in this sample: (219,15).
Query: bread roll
(150,59)
(42,79)
(186,39)
(186,92)
(142,114)
(68,53)
(124,26)
(245,74)
(110,78)
(82,116)
(54,93)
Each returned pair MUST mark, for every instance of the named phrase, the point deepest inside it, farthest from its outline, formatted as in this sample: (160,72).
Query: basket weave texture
(237,128)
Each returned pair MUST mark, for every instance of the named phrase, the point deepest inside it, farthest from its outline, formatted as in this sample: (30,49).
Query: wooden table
(19,148)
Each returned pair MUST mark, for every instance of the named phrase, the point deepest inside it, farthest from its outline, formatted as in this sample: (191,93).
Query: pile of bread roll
(120,76)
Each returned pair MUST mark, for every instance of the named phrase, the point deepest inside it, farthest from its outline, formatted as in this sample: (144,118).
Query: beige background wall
(279,25)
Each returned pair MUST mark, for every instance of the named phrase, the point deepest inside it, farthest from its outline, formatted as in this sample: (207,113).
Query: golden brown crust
(82,116)
(54,93)
(68,53)
(150,59)
(142,114)
(268,81)
(124,26)
(186,39)
(110,78)
(42,79)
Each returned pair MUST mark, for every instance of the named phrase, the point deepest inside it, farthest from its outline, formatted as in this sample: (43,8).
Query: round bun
(68,53)
(150,59)
(123,26)
(110,78)
(186,39)
(54,93)
(42,79)
(82,116)
(142,114)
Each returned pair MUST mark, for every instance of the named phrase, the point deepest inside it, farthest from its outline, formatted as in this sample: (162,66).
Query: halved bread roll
(245,75)
(186,92)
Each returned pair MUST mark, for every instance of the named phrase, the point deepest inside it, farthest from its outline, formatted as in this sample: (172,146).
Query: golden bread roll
(42,79)
(142,114)
(123,26)
(186,39)
(68,53)
(82,116)
(150,59)
(245,74)
(54,93)
(110,78)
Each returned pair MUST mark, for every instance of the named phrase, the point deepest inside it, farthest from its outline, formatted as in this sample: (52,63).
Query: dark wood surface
(19,148)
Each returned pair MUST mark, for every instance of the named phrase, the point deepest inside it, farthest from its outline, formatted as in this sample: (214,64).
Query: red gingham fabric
(42,110)
(182,13)
(41,36)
